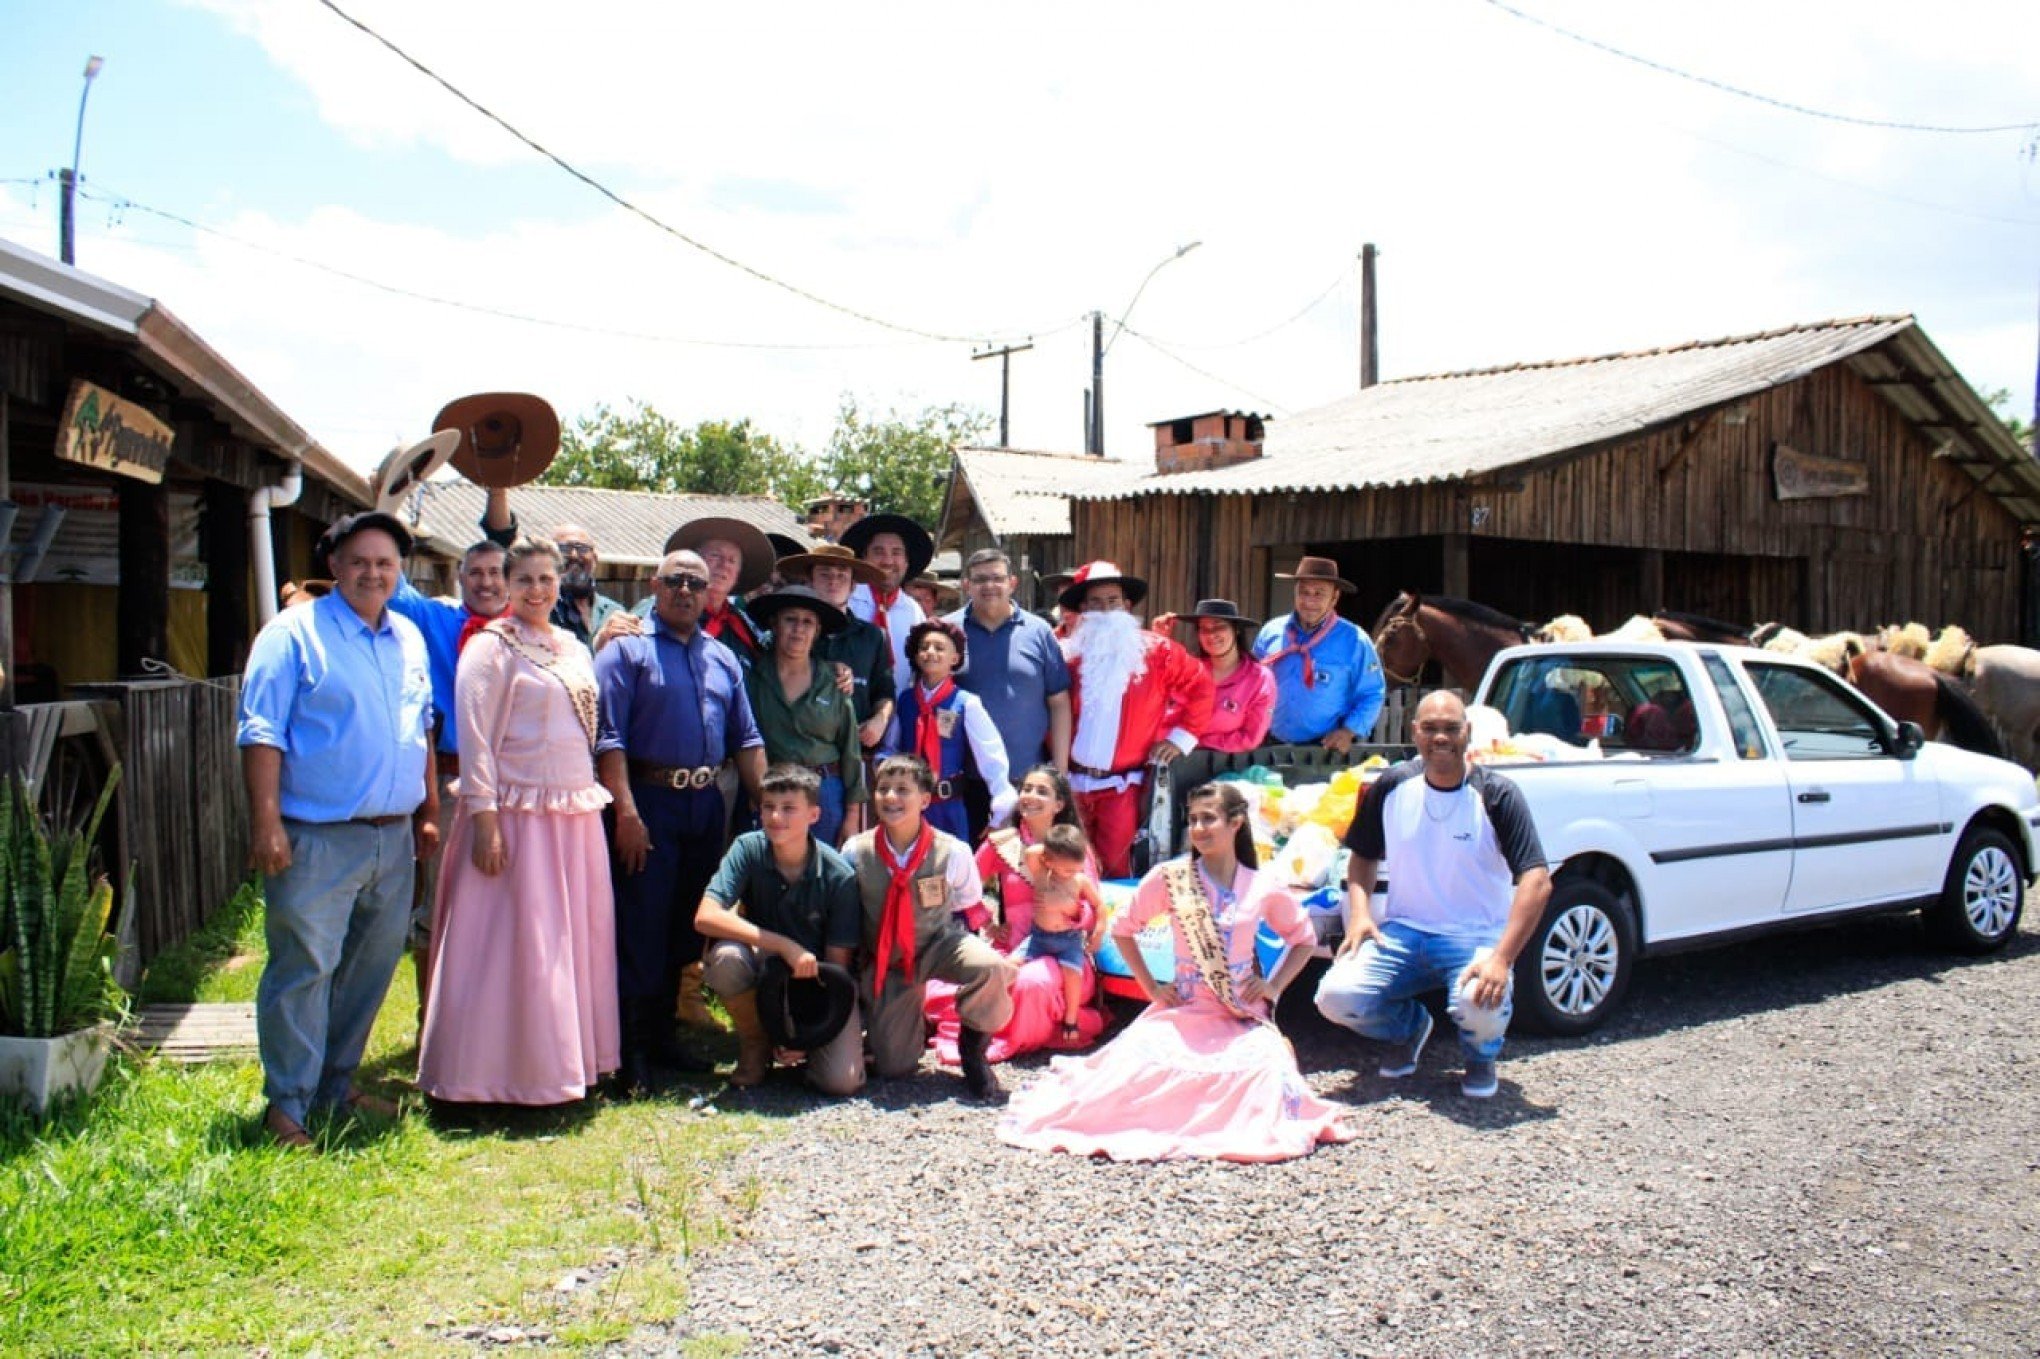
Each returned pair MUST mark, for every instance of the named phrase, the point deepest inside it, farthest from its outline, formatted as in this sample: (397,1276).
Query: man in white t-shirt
(1469,886)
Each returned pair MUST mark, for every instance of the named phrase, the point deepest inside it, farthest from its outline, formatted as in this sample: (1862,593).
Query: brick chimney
(1198,443)
(833,513)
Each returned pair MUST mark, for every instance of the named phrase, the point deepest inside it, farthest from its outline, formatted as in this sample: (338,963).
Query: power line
(121,202)
(1303,311)
(1275,407)
(1737,90)
(632,208)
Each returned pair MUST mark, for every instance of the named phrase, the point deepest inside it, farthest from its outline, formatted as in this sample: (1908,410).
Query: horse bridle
(1388,630)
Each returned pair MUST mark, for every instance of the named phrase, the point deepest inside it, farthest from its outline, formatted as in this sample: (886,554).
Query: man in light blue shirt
(1328,683)
(335,709)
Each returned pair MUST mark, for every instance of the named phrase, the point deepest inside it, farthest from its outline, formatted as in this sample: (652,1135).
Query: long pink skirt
(1185,1083)
(1037,1014)
(523,992)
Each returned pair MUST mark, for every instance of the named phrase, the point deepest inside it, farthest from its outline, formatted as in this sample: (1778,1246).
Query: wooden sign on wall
(104,431)
(1807,476)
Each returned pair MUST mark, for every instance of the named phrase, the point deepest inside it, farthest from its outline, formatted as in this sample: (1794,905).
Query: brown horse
(1912,691)
(1461,636)
(1679,626)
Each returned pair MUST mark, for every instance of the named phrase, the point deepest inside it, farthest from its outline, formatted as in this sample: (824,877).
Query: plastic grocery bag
(1306,858)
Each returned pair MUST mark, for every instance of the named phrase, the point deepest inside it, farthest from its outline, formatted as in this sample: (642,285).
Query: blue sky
(982,172)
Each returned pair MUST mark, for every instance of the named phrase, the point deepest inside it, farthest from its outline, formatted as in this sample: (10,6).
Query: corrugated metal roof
(630,528)
(1461,425)
(1016,491)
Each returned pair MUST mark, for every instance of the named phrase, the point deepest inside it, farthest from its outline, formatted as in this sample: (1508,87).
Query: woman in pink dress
(1202,1073)
(1038,1001)
(524,944)
(1245,701)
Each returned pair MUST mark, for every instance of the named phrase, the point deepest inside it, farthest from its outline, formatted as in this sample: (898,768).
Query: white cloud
(975,171)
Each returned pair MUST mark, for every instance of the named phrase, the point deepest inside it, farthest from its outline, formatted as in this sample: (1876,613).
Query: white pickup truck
(1735,792)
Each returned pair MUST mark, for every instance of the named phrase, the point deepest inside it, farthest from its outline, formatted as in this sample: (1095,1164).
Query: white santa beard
(1113,650)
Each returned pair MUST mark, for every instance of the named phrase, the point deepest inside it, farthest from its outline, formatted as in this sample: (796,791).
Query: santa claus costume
(1130,689)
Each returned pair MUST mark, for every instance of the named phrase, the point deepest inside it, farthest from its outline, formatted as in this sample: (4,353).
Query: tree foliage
(2000,402)
(643,450)
(898,463)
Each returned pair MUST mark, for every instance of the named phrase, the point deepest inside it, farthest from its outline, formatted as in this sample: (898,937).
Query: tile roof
(1459,425)
(1027,493)
(630,528)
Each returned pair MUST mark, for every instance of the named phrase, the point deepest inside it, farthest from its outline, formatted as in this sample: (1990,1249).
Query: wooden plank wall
(1921,545)
(187,818)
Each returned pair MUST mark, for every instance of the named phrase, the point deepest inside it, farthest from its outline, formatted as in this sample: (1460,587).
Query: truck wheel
(1983,895)
(1571,975)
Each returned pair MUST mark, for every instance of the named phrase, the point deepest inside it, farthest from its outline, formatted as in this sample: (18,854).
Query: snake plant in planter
(57,994)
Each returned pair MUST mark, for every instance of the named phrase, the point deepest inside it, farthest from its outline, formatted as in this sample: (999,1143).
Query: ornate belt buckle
(701,778)
(944,789)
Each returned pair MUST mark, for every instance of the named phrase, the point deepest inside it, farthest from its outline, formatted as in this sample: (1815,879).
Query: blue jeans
(335,921)
(830,828)
(1374,990)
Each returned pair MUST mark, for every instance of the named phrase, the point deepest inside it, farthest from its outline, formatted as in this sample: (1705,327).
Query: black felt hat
(804,1014)
(343,529)
(767,607)
(920,547)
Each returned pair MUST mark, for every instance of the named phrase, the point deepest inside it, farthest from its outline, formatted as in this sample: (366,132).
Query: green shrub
(56,968)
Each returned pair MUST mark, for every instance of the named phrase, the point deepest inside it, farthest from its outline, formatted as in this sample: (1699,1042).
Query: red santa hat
(1100,573)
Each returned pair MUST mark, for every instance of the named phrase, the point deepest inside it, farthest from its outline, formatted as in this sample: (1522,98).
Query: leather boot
(667,1049)
(693,1008)
(637,1076)
(754,1045)
(977,1072)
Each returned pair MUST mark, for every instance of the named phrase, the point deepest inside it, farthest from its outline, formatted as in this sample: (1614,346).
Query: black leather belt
(678,778)
(1076,768)
(831,770)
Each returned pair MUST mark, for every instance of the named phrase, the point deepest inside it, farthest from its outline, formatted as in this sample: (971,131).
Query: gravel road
(1816,1144)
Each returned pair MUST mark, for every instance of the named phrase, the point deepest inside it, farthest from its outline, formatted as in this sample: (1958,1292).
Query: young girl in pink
(1062,892)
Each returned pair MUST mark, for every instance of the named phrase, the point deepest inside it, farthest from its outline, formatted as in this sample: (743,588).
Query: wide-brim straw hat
(410,465)
(506,438)
(759,558)
(801,565)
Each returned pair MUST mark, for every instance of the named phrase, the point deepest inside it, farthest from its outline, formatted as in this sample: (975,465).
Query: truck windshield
(1626,703)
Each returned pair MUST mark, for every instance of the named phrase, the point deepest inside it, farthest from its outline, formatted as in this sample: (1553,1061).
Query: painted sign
(1808,476)
(86,550)
(104,431)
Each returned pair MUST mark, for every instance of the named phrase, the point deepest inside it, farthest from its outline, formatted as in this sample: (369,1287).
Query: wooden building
(130,454)
(1840,474)
(1020,501)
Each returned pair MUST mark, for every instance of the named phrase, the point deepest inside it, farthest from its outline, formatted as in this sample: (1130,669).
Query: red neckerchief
(474,624)
(1304,646)
(896,926)
(728,619)
(927,735)
(882,606)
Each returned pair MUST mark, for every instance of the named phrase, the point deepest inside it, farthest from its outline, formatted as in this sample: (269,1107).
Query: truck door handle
(1817,795)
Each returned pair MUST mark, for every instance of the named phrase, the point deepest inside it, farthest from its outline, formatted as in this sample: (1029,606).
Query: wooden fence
(184,821)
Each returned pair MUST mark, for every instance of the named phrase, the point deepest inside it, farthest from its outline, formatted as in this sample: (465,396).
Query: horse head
(1399,641)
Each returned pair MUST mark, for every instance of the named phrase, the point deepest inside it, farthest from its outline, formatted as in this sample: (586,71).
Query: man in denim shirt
(1328,684)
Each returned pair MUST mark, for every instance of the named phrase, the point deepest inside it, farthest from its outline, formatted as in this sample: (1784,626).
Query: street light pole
(67,210)
(1100,347)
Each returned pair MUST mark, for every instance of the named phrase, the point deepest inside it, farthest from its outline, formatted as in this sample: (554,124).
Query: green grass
(154,1217)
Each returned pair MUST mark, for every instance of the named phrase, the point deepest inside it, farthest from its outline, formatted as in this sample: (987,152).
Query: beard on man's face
(577,582)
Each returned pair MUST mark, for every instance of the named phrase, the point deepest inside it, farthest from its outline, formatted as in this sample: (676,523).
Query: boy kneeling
(779,898)
(914,883)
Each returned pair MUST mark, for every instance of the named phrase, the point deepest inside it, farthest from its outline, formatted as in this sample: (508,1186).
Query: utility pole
(1370,354)
(1005,357)
(1094,443)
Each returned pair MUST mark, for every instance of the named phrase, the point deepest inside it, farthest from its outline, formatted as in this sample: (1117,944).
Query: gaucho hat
(804,1014)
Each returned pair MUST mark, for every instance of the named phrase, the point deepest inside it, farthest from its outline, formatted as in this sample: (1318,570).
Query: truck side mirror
(1908,741)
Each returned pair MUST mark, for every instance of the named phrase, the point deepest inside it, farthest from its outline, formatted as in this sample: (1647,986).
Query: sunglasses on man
(684,580)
